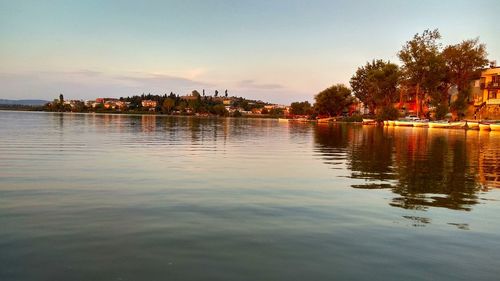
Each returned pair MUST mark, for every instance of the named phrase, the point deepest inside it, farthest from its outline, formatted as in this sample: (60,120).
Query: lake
(117,197)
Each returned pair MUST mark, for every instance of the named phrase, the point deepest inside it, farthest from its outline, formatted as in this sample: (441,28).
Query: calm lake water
(115,197)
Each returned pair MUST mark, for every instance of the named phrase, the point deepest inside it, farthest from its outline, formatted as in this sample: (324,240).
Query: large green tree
(333,100)
(463,62)
(300,108)
(361,86)
(376,84)
(420,56)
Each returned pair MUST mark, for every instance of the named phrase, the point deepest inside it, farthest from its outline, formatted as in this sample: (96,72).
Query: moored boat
(386,122)
(325,120)
(484,126)
(367,121)
(495,126)
(473,125)
(392,123)
(283,120)
(404,122)
(458,124)
(439,124)
(421,123)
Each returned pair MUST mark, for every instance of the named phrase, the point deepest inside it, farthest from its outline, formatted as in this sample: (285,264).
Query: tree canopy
(376,84)
(333,100)
(300,108)
(421,59)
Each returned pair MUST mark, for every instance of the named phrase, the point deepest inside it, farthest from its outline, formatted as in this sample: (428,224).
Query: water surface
(116,197)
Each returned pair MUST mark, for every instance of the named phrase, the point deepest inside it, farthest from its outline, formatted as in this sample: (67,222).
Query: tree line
(172,104)
(427,73)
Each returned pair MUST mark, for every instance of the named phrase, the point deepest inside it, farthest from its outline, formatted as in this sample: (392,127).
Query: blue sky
(278,51)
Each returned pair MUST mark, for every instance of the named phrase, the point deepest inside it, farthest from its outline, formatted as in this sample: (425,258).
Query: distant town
(194,103)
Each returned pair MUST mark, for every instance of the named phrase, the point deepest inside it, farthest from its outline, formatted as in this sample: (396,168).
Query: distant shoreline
(136,114)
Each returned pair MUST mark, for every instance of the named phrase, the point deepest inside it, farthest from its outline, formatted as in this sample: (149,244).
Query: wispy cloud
(252,84)
(82,73)
(91,83)
(161,80)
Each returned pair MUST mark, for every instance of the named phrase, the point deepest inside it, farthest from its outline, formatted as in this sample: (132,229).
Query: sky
(276,51)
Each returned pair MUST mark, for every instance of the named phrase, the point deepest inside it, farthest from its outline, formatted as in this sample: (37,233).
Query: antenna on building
(493,64)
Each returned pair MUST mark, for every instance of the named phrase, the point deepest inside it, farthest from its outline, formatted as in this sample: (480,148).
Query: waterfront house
(486,93)
(148,103)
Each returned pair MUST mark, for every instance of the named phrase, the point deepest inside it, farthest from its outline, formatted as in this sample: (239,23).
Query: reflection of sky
(273,50)
(229,198)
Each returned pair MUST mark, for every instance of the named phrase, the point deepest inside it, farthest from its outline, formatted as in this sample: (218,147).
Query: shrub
(387,113)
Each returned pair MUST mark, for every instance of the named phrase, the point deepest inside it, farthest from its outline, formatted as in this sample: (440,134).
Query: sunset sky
(278,51)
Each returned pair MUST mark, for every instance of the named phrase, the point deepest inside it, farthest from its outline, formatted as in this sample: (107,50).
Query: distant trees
(333,100)
(195,93)
(463,61)
(219,109)
(167,105)
(376,84)
(301,108)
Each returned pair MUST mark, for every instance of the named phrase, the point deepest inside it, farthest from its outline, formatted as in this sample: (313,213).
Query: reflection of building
(489,160)
(148,123)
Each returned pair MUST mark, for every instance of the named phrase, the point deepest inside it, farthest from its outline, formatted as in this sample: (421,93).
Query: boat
(421,123)
(367,121)
(404,122)
(473,125)
(439,124)
(325,120)
(301,119)
(386,122)
(495,126)
(282,120)
(484,126)
(458,124)
(392,123)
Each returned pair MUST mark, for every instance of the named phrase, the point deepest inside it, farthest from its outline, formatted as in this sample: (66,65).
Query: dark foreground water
(110,197)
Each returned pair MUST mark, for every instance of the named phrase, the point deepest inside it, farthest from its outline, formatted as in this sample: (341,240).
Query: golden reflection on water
(423,167)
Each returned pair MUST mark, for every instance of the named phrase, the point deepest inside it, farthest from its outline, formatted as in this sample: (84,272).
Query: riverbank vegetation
(172,104)
(431,80)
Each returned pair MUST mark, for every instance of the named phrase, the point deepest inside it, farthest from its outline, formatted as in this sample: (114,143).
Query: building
(110,104)
(489,85)
(486,93)
(149,103)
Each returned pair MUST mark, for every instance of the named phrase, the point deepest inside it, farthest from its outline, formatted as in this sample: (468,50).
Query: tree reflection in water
(424,167)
